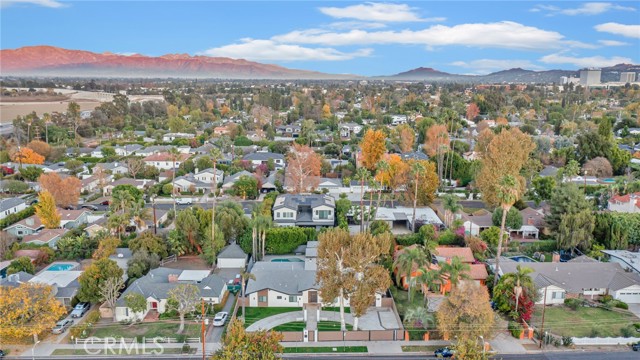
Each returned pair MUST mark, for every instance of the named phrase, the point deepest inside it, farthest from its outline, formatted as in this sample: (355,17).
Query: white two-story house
(304,210)
(164,161)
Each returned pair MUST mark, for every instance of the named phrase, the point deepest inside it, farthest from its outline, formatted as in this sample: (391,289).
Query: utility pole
(203,332)
(155,221)
(544,306)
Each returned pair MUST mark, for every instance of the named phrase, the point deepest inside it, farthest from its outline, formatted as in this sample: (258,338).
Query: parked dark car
(106,202)
(443,352)
(6,170)
(635,346)
(90,207)
(2,354)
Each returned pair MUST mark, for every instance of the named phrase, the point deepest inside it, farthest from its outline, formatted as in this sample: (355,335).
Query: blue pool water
(60,267)
(522,259)
(608,180)
(288,260)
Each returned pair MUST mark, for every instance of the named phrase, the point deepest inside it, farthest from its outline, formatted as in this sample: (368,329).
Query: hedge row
(14,218)
(280,240)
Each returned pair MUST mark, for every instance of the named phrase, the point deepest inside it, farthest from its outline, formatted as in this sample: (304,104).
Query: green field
(325,349)
(419,348)
(322,326)
(584,321)
(148,351)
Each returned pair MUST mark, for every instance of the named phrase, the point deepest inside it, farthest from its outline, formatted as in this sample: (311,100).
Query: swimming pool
(608,180)
(60,267)
(522,258)
(287,260)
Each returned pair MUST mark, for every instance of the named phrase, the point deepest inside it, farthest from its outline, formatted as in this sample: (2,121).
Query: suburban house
(532,224)
(112,168)
(11,206)
(629,203)
(258,158)
(156,285)
(140,184)
(548,170)
(187,183)
(207,176)
(400,218)
(69,219)
(269,183)
(414,155)
(348,130)
(232,257)
(475,222)
(398,119)
(92,182)
(630,261)
(48,237)
(579,279)
(231,179)
(169,137)
(164,161)
(155,149)
(289,130)
(304,210)
(329,184)
(127,150)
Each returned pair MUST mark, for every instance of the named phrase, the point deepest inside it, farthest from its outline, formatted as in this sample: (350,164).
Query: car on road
(2,354)
(635,346)
(62,326)
(106,202)
(220,318)
(443,353)
(184,201)
(90,207)
(80,309)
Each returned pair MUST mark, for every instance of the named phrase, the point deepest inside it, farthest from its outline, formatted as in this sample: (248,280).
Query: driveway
(635,309)
(214,333)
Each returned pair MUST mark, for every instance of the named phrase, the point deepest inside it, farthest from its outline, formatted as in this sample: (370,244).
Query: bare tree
(185,298)
(135,166)
(110,291)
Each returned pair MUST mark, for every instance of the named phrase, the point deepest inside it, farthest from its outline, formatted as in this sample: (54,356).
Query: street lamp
(33,350)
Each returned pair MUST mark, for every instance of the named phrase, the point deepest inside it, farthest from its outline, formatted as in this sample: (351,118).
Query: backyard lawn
(402,302)
(322,326)
(584,321)
(147,330)
(253,314)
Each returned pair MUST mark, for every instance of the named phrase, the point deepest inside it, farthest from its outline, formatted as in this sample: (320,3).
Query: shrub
(286,240)
(408,240)
(621,305)
(567,340)
(606,299)
(186,348)
(14,218)
(515,329)
(93,317)
(628,331)
(572,304)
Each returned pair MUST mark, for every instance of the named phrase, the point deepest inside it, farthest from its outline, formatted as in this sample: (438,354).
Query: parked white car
(184,201)
(220,318)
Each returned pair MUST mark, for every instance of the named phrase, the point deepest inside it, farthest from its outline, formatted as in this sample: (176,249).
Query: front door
(313,297)
(154,305)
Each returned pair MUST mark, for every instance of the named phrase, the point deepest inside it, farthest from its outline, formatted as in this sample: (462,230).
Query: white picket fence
(163,340)
(605,341)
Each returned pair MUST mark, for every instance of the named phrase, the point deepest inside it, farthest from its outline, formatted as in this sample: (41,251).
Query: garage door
(630,297)
(231,263)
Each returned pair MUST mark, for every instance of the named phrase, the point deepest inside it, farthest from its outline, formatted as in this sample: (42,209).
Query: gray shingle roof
(292,201)
(263,156)
(6,204)
(233,251)
(285,277)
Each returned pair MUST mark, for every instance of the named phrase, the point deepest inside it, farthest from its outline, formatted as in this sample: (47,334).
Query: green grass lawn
(253,314)
(584,321)
(148,330)
(347,310)
(419,348)
(402,301)
(322,326)
(326,349)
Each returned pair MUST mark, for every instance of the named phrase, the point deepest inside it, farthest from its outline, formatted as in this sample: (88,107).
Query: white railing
(605,341)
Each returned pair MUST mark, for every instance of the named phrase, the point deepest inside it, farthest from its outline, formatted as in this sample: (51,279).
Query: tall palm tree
(456,270)
(174,155)
(518,280)
(139,214)
(428,280)
(215,155)
(508,191)
(245,277)
(382,167)
(451,206)
(417,170)
(363,175)
(406,262)
(260,224)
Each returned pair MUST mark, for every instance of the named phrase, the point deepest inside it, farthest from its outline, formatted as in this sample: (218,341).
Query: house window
(279,297)
(262,299)
(293,298)
(278,215)
(557,295)
(323,214)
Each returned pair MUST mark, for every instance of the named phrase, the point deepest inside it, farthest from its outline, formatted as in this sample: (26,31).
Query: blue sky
(366,38)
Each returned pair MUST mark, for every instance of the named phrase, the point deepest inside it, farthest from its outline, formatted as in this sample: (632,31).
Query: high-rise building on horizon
(589,77)
(627,77)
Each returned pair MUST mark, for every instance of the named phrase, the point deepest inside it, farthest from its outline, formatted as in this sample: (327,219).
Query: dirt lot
(189,263)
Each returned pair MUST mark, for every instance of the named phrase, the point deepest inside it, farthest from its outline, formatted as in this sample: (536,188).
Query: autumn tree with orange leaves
(27,156)
(65,191)
(407,138)
(472,111)
(373,146)
(303,169)
(437,144)
(394,174)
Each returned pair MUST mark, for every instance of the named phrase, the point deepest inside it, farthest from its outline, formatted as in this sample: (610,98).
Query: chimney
(555,257)
(173,278)
(530,221)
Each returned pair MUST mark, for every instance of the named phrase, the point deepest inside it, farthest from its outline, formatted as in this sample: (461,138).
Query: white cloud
(505,34)
(582,62)
(612,43)
(484,66)
(268,50)
(45,3)
(590,8)
(381,12)
(632,31)
(348,25)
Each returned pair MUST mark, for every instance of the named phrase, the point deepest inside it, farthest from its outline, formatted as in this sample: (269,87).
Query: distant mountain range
(54,61)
